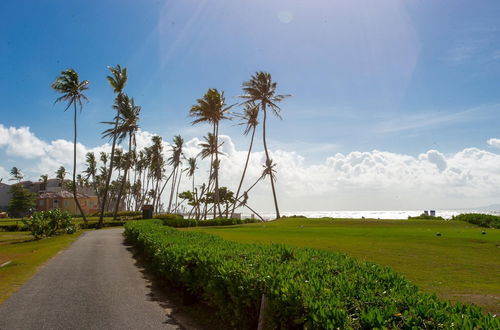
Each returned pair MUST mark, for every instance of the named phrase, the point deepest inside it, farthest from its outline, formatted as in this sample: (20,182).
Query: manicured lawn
(460,265)
(26,256)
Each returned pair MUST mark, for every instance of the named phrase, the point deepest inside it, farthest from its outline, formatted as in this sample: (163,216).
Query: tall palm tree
(91,173)
(117,80)
(261,90)
(210,148)
(16,174)
(128,125)
(60,174)
(175,161)
(212,108)
(191,169)
(72,90)
(250,119)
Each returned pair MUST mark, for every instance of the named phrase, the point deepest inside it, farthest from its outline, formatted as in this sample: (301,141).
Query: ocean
(387,215)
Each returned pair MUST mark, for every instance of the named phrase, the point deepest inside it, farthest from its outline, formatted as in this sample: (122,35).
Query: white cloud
(356,180)
(21,142)
(494,142)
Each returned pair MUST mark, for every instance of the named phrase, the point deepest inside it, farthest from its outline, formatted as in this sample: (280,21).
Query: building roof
(60,194)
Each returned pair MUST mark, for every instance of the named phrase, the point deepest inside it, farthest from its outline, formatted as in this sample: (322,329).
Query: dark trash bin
(147,211)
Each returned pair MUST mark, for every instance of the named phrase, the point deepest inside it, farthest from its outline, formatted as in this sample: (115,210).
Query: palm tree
(44,178)
(212,108)
(249,117)
(117,80)
(128,118)
(60,174)
(211,148)
(261,90)
(71,88)
(91,173)
(191,169)
(175,161)
(16,174)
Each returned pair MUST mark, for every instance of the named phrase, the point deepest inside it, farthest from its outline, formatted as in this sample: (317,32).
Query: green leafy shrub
(305,288)
(482,220)
(49,223)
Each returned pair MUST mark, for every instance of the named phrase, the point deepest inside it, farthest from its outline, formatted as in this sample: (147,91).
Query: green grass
(26,256)
(461,265)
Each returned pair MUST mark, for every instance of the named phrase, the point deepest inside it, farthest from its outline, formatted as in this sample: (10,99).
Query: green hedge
(177,221)
(482,220)
(305,288)
(424,216)
(118,214)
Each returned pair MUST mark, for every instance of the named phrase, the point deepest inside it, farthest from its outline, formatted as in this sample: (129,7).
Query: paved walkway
(94,284)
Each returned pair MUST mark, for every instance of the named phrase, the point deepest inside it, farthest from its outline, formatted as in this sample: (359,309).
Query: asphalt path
(94,284)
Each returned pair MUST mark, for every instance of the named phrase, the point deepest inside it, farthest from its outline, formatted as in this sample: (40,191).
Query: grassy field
(26,256)
(460,265)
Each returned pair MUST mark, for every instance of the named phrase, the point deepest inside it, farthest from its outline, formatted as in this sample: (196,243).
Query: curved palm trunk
(268,159)
(177,193)
(108,179)
(172,189)
(74,170)
(165,184)
(244,171)
(124,180)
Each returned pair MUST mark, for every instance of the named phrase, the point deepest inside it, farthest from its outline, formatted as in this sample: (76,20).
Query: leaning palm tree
(212,108)
(249,117)
(72,89)
(117,80)
(261,90)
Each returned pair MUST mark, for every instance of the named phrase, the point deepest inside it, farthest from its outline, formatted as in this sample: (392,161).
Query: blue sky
(398,76)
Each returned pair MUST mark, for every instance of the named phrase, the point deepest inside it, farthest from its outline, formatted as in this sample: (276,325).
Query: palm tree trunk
(177,192)
(74,170)
(172,188)
(244,171)
(268,161)
(216,195)
(108,179)
(124,179)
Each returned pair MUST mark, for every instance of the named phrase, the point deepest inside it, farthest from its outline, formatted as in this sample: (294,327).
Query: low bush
(305,288)
(179,222)
(49,223)
(118,214)
(225,222)
(424,216)
(482,220)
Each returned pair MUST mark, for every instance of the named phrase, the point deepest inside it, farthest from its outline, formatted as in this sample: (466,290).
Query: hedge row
(177,221)
(305,288)
(118,214)
(482,220)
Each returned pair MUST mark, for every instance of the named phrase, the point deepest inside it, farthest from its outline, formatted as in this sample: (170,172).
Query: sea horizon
(378,214)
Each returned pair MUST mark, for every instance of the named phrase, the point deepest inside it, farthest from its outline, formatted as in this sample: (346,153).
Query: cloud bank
(373,180)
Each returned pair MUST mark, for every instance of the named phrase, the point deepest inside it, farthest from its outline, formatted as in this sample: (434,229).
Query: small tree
(21,202)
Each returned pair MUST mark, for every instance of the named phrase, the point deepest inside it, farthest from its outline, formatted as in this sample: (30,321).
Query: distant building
(4,196)
(64,200)
(50,195)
